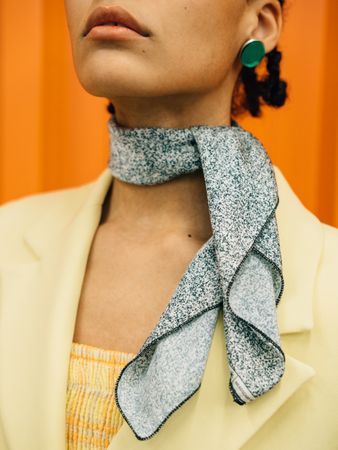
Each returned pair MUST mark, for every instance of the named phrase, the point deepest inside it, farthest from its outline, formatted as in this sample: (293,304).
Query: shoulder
(325,301)
(25,208)
(331,237)
(22,211)
(18,215)
(328,263)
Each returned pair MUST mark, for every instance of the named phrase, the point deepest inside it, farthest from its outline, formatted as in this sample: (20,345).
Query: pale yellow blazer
(44,245)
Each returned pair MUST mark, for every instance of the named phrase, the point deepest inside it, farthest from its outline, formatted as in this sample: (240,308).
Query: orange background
(53,134)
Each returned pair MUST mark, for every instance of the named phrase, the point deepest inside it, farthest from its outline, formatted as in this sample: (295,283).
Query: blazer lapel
(40,298)
(59,242)
(210,418)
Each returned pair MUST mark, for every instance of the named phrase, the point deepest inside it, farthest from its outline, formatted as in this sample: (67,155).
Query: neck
(178,206)
(158,183)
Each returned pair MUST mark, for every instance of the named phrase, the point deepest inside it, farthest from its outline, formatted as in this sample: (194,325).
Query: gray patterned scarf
(238,270)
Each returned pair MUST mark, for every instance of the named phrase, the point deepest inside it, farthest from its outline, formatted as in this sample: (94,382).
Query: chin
(114,81)
(117,86)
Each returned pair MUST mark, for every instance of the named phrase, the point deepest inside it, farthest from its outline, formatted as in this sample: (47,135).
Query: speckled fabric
(237,272)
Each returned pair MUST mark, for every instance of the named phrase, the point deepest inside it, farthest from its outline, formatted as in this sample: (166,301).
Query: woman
(186,298)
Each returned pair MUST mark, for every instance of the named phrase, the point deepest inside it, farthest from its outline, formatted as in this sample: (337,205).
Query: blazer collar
(296,225)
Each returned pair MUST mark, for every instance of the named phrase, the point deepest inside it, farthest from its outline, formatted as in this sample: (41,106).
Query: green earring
(252,52)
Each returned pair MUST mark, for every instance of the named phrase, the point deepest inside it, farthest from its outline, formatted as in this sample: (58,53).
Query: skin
(182,74)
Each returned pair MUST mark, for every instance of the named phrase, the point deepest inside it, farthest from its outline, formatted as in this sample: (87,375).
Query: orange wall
(53,134)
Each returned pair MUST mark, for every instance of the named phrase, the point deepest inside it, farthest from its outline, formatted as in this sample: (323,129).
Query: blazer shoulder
(329,257)
(23,210)
(18,214)
(330,231)
(326,287)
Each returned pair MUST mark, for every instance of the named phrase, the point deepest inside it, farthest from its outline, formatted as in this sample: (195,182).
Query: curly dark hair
(251,91)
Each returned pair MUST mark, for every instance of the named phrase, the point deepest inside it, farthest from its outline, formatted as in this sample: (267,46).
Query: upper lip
(108,14)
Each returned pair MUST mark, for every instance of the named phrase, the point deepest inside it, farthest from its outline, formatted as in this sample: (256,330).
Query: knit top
(92,416)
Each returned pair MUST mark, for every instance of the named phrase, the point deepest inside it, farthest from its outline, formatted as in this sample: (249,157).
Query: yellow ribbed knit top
(92,416)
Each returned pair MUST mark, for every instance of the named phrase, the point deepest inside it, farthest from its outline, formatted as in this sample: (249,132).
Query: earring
(252,52)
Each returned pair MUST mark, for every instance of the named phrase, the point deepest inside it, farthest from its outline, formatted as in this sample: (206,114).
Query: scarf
(238,270)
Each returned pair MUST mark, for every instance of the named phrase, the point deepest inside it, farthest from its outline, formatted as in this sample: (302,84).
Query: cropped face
(193,47)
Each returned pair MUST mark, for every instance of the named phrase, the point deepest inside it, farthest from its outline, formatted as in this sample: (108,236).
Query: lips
(113,14)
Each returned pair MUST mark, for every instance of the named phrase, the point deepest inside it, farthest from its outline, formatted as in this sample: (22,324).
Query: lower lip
(111,32)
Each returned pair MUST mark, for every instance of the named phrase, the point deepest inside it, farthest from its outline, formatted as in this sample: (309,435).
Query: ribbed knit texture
(92,417)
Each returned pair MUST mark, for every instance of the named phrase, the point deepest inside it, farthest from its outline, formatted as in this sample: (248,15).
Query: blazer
(45,240)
